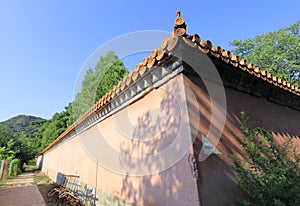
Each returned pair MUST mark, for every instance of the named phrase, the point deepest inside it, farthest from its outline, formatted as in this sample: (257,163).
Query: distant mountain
(23,125)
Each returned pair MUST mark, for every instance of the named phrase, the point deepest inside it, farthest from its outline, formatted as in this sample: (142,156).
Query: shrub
(270,174)
(14,168)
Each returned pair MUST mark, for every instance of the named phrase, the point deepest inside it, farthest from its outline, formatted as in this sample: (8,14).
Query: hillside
(22,124)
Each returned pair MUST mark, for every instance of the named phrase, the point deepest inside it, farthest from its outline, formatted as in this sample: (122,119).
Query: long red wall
(103,155)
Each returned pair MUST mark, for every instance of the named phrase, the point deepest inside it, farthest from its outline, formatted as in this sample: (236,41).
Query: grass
(45,185)
(30,165)
(2,182)
(40,177)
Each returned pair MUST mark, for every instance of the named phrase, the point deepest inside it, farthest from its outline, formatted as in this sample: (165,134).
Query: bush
(30,165)
(271,173)
(14,168)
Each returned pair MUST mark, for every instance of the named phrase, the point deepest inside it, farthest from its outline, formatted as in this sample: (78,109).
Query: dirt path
(21,191)
(23,179)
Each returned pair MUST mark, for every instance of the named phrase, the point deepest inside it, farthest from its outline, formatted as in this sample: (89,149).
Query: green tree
(114,71)
(15,147)
(271,173)
(97,82)
(22,124)
(54,127)
(12,149)
(27,149)
(70,120)
(277,52)
(108,72)
(20,137)
(5,136)
(8,145)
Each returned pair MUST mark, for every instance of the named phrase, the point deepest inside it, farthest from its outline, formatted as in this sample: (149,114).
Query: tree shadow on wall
(165,181)
(217,182)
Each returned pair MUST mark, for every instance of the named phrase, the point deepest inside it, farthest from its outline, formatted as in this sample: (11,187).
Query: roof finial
(179,25)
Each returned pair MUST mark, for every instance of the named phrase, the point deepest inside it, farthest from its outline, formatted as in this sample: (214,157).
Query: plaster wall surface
(110,156)
(217,182)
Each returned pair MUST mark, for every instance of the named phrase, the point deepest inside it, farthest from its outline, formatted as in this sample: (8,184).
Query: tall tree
(277,52)
(7,142)
(114,72)
(54,127)
(13,145)
(5,136)
(97,82)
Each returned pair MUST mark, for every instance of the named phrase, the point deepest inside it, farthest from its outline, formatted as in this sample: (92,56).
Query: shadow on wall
(171,186)
(41,161)
(86,193)
(217,182)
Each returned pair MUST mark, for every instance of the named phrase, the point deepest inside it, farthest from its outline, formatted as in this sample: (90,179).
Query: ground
(44,189)
(29,188)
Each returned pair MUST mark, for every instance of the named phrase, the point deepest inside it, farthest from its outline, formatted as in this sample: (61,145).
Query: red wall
(158,119)
(217,183)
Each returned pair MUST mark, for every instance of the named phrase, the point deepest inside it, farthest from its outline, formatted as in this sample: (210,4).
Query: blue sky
(43,44)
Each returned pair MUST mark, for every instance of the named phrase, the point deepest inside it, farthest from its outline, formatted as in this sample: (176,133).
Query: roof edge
(157,59)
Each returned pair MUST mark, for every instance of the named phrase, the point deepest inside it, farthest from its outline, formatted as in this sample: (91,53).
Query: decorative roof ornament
(159,55)
(179,25)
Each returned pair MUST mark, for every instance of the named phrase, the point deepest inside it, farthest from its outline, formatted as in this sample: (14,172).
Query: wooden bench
(66,189)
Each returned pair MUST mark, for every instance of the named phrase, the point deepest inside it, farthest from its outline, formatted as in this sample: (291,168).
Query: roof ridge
(227,57)
(158,55)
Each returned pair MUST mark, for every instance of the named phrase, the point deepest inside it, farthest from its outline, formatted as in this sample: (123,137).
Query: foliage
(26,149)
(11,150)
(5,136)
(54,127)
(20,137)
(18,148)
(114,71)
(40,178)
(2,182)
(70,120)
(22,124)
(23,137)
(97,82)
(32,162)
(14,168)
(8,147)
(271,173)
(108,72)
(29,167)
(277,52)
